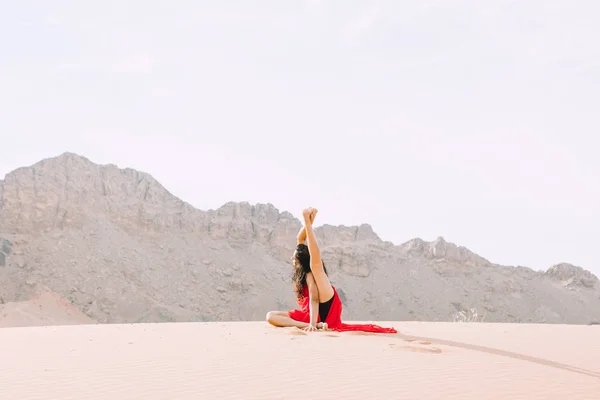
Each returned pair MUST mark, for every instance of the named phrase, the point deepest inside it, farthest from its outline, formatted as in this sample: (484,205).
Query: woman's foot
(322,326)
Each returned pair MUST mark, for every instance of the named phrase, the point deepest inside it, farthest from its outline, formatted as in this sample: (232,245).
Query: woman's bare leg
(316,264)
(282,319)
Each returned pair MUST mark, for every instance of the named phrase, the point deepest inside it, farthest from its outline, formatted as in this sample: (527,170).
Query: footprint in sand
(416,349)
(434,350)
(418,341)
(359,333)
(301,333)
(297,332)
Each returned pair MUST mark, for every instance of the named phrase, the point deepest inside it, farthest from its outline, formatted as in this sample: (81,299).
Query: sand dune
(251,360)
(44,308)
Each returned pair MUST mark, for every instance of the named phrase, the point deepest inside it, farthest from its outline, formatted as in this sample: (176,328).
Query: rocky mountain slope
(43,308)
(117,245)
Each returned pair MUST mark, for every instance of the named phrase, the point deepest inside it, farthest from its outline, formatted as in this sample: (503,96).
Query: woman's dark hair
(299,275)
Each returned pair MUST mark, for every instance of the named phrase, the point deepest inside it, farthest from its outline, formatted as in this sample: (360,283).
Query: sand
(252,360)
(43,309)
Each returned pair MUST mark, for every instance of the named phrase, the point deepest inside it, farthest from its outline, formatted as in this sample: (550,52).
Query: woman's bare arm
(302,234)
(313,293)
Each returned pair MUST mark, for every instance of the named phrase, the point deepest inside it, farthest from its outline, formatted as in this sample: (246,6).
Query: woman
(320,304)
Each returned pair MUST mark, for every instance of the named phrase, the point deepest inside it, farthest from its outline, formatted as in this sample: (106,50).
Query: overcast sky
(473,120)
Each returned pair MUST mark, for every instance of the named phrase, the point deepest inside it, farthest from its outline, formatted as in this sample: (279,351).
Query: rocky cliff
(120,247)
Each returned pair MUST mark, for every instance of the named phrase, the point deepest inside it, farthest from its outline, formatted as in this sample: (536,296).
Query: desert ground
(113,288)
(253,360)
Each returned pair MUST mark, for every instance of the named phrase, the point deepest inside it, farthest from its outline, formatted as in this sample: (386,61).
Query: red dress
(334,318)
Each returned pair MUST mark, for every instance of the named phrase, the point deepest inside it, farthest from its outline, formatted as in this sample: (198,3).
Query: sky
(475,121)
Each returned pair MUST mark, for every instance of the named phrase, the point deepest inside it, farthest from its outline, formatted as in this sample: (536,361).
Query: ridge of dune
(43,308)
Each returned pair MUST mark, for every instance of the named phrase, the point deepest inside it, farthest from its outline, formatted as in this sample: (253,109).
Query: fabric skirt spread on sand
(334,318)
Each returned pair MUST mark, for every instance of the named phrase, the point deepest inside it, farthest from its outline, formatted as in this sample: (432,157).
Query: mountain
(118,246)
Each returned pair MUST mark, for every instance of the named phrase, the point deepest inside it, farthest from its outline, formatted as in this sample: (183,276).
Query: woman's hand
(309,214)
(313,214)
(310,328)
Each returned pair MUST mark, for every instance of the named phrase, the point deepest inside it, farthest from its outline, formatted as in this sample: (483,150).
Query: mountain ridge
(365,226)
(66,217)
